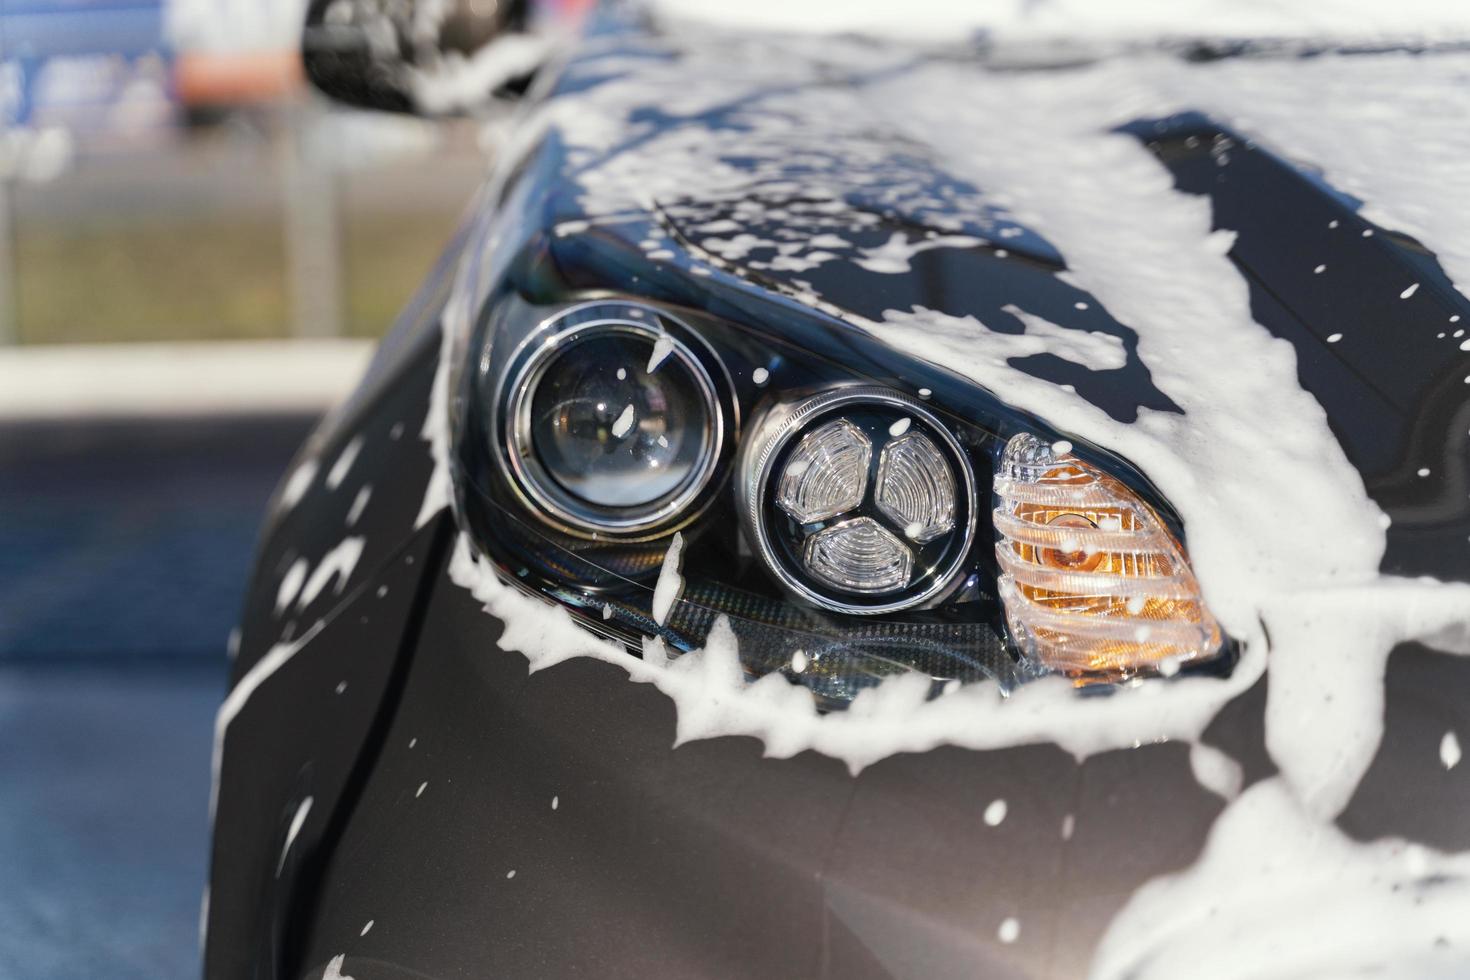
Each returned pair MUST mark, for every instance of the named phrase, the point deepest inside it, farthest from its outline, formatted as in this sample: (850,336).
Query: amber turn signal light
(1095,585)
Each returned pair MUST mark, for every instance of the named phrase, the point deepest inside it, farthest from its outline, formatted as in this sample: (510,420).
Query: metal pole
(9,314)
(313,247)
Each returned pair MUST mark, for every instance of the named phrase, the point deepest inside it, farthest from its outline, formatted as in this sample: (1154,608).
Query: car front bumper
(468,817)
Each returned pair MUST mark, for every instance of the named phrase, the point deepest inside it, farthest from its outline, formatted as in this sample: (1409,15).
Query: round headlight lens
(614,434)
(613,425)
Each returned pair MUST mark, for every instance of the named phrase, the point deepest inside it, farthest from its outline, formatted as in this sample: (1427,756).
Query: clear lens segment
(916,488)
(827,474)
(859,555)
(1094,584)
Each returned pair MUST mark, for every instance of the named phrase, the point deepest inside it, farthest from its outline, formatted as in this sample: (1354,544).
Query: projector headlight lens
(613,426)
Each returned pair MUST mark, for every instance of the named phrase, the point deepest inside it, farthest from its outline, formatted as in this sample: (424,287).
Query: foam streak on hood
(1278,894)
(1080,21)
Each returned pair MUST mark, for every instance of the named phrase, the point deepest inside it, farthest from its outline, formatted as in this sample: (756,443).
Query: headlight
(612,421)
(859,499)
(837,518)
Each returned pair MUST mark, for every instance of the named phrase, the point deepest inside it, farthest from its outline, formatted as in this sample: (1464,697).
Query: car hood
(924,198)
(1076,24)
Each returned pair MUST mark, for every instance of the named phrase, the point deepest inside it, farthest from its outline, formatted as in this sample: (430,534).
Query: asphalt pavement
(124,551)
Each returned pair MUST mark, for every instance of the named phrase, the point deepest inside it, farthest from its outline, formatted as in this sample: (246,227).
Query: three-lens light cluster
(618,422)
(859,499)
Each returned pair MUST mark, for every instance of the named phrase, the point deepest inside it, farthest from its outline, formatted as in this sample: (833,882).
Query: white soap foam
(204,918)
(1324,715)
(291,583)
(662,348)
(452,82)
(1215,771)
(359,504)
(335,567)
(670,582)
(1073,22)
(298,819)
(1449,750)
(343,464)
(623,424)
(298,483)
(894,256)
(1352,118)
(1280,893)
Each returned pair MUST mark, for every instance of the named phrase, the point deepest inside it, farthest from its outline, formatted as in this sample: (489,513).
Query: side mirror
(415,55)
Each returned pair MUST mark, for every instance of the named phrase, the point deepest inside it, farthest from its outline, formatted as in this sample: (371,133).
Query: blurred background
(196,252)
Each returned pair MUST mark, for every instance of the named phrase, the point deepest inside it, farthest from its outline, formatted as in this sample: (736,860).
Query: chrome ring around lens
(784,424)
(628,445)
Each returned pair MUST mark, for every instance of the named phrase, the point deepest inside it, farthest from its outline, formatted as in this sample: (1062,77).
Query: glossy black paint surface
(708,860)
(1393,385)
(309,735)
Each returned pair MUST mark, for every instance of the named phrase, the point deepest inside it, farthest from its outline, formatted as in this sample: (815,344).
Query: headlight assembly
(840,523)
(612,421)
(859,499)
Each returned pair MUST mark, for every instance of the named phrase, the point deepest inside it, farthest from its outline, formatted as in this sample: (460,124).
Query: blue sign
(36,32)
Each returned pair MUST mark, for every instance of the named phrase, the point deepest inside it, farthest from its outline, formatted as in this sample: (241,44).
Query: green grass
(223,278)
(384,260)
(157,281)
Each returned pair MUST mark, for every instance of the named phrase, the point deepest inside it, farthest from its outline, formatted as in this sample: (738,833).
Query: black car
(983,505)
